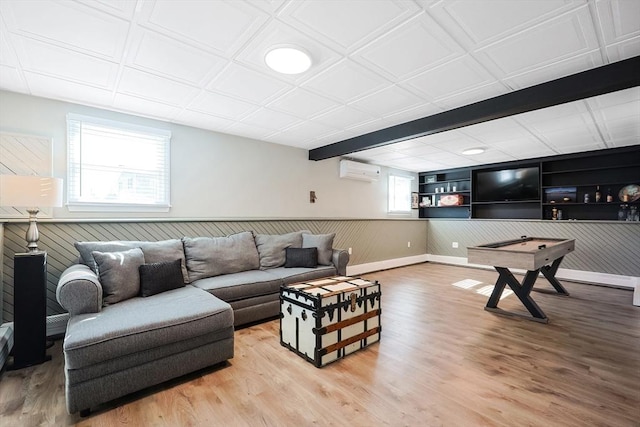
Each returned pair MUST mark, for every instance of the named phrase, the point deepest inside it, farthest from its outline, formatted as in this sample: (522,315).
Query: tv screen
(507,185)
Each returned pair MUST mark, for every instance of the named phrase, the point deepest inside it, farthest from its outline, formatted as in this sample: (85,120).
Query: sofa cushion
(160,277)
(238,286)
(324,243)
(301,257)
(272,248)
(139,324)
(213,256)
(164,250)
(294,275)
(118,272)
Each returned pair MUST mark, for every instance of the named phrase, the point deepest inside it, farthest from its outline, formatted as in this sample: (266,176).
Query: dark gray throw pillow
(158,277)
(301,257)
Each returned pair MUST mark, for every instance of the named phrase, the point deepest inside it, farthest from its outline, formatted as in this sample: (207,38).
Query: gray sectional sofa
(142,312)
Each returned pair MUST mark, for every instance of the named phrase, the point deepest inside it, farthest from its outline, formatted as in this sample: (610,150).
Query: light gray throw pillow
(118,272)
(272,248)
(213,256)
(162,251)
(324,243)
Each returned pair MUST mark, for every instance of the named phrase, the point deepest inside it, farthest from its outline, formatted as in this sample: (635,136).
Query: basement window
(399,194)
(116,166)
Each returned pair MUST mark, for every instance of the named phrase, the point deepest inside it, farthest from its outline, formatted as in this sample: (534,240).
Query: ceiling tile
(249,85)
(169,57)
(623,50)
(447,80)
(481,22)
(427,43)
(344,118)
(248,131)
(390,100)
(145,85)
(271,119)
(221,106)
(56,88)
(202,120)
(345,25)
(55,61)
(223,26)
(61,22)
(121,8)
(620,19)
(302,103)
(555,70)
(568,35)
(156,110)
(346,81)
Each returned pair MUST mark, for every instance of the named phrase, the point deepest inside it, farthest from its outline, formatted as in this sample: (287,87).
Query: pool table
(534,254)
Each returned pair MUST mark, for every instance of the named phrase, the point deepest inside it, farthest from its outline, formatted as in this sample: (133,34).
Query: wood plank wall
(371,240)
(603,247)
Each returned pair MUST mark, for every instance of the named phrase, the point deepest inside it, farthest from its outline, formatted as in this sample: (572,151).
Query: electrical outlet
(408,244)
(350,251)
(454,244)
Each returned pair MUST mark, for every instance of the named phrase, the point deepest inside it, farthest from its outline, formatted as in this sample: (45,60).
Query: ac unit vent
(359,171)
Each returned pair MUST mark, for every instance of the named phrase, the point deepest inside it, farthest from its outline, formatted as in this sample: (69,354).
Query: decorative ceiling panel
(375,64)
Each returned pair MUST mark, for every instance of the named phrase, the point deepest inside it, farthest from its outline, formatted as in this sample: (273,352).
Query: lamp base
(32,232)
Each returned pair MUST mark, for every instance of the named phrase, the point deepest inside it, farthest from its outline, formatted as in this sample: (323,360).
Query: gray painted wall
(215,175)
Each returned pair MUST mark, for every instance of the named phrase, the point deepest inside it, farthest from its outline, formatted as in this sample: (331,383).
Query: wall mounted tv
(517,184)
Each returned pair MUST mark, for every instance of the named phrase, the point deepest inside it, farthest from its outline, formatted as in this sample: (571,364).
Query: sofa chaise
(142,313)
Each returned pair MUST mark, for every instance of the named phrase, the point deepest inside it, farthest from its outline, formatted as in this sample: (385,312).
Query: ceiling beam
(597,81)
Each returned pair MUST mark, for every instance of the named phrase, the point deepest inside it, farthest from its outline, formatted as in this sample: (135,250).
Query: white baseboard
(354,270)
(627,282)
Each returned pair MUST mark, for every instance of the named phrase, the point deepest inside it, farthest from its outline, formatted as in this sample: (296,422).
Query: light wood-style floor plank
(442,361)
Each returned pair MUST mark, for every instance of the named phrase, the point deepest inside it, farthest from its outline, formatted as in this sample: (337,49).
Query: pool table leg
(522,291)
(549,271)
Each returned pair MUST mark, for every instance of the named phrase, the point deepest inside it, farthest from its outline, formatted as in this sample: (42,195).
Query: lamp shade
(30,191)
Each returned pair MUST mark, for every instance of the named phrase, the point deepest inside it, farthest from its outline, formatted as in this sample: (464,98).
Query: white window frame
(77,202)
(393,207)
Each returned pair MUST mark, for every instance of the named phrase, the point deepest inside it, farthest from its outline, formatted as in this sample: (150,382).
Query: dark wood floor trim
(598,81)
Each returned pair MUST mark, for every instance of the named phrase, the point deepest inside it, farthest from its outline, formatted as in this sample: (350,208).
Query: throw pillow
(86,248)
(213,256)
(324,243)
(272,248)
(157,277)
(301,257)
(164,251)
(118,272)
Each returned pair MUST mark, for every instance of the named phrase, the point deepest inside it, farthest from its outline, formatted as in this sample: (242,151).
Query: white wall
(214,175)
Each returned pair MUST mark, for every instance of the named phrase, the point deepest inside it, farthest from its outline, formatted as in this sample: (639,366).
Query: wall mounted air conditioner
(359,171)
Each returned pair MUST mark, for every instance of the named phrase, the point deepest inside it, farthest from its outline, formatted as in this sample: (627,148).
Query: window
(114,166)
(399,194)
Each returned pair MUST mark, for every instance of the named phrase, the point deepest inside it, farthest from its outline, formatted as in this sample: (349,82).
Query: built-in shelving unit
(567,187)
(446,194)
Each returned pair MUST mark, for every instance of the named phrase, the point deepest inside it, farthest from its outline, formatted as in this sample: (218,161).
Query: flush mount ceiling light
(288,60)
(473,151)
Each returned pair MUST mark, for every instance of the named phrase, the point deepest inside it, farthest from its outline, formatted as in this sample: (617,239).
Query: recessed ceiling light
(473,151)
(288,60)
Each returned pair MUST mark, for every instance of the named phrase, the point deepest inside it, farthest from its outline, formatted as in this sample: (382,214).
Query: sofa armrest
(340,258)
(79,290)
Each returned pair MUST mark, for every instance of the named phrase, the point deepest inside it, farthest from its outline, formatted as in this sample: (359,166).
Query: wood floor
(442,361)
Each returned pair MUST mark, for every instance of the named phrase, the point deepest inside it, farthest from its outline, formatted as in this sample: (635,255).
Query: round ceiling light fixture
(288,60)
(473,151)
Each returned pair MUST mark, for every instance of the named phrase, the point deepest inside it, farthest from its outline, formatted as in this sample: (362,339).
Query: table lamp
(33,193)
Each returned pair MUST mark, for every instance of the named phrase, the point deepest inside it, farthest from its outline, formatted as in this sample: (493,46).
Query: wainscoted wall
(602,247)
(371,240)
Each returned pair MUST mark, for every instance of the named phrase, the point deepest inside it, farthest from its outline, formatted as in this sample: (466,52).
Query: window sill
(115,207)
